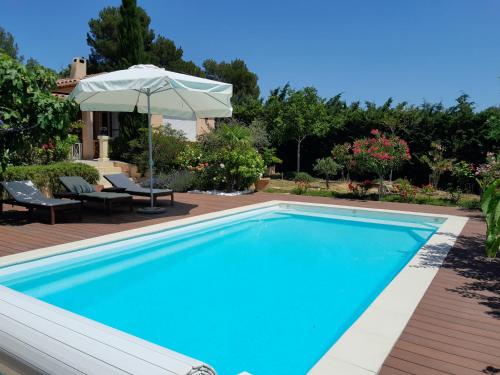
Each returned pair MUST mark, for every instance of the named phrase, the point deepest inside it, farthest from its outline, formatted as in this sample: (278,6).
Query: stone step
(103,168)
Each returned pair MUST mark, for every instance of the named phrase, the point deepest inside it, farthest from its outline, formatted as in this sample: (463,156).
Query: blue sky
(369,50)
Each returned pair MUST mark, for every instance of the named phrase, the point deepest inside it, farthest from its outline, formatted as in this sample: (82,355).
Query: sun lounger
(26,194)
(82,190)
(122,181)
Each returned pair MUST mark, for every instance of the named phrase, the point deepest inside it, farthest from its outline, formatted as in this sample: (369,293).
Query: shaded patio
(454,330)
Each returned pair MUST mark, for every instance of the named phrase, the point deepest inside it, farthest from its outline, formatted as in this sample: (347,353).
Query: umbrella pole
(150,144)
(151,209)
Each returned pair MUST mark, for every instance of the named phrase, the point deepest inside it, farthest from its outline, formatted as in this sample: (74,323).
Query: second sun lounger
(121,180)
(80,189)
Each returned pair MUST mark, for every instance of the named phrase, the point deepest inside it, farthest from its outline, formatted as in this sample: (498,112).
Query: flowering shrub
(224,159)
(55,150)
(428,190)
(362,188)
(380,154)
(190,156)
(342,155)
(490,205)
(463,174)
(487,173)
(405,190)
(437,163)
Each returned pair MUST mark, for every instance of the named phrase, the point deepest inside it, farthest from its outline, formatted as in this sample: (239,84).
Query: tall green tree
(295,115)
(8,45)
(130,34)
(106,43)
(246,102)
(166,54)
(108,35)
(237,73)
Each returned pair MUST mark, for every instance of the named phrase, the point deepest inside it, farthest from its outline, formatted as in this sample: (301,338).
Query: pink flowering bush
(380,154)
(488,172)
(406,191)
(360,189)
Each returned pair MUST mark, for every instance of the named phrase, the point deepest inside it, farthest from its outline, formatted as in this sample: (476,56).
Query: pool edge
(363,348)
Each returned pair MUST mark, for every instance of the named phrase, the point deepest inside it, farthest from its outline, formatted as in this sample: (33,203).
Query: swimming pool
(268,290)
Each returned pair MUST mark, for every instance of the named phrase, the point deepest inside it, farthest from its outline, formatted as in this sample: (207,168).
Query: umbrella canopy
(154,90)
(175,94)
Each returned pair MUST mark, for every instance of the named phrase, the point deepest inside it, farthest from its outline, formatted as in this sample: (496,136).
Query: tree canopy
(120,37)
(465,133)
(293,115)
(237,73)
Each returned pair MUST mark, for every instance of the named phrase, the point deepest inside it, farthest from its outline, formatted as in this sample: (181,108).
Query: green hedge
(46,177)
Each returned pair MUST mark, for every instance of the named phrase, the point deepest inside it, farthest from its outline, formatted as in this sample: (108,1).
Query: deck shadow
(481,275)
(94,213)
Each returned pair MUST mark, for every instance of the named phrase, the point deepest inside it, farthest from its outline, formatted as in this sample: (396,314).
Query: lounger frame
(52,209)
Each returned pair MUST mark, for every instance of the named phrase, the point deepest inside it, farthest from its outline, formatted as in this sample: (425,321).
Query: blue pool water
(268,293)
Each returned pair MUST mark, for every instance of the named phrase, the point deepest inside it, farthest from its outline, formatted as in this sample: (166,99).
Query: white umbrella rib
(214,98)
(184,100)
(90,97)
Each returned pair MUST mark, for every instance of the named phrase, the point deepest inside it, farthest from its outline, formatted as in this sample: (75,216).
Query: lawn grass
(339,189)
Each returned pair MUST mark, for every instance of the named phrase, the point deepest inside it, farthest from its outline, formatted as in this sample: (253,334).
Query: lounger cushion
(26,192)
(76,184)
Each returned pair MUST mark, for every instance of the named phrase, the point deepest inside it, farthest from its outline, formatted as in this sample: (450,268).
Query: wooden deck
(454,330)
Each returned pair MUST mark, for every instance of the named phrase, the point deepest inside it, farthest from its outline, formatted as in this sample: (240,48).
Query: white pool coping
(46,337)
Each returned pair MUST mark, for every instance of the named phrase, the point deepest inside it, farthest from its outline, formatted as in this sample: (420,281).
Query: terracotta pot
(262,183)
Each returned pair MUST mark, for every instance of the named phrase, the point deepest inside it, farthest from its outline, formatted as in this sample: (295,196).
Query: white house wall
(186,126)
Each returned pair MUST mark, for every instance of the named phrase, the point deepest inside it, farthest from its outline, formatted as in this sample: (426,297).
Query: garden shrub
(326,167)
(360,190)
(303,177)
(302,182)
(341,154)
(437,163)
(405,189)
(463,175)
(46,177)
(490,205)
(428,190)
(470,203)
(488,172)
(178,181)
(224,159)
(168,144)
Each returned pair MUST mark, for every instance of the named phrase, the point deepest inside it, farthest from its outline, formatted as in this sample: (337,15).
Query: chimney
(78,68)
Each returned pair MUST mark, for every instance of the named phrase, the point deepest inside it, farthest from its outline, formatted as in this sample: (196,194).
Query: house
(99,127)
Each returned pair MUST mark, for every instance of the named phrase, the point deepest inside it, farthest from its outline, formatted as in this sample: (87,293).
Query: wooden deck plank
(454,330)
(472,351)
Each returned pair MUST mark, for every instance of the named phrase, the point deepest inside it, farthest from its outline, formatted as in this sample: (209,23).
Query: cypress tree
(131,39)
